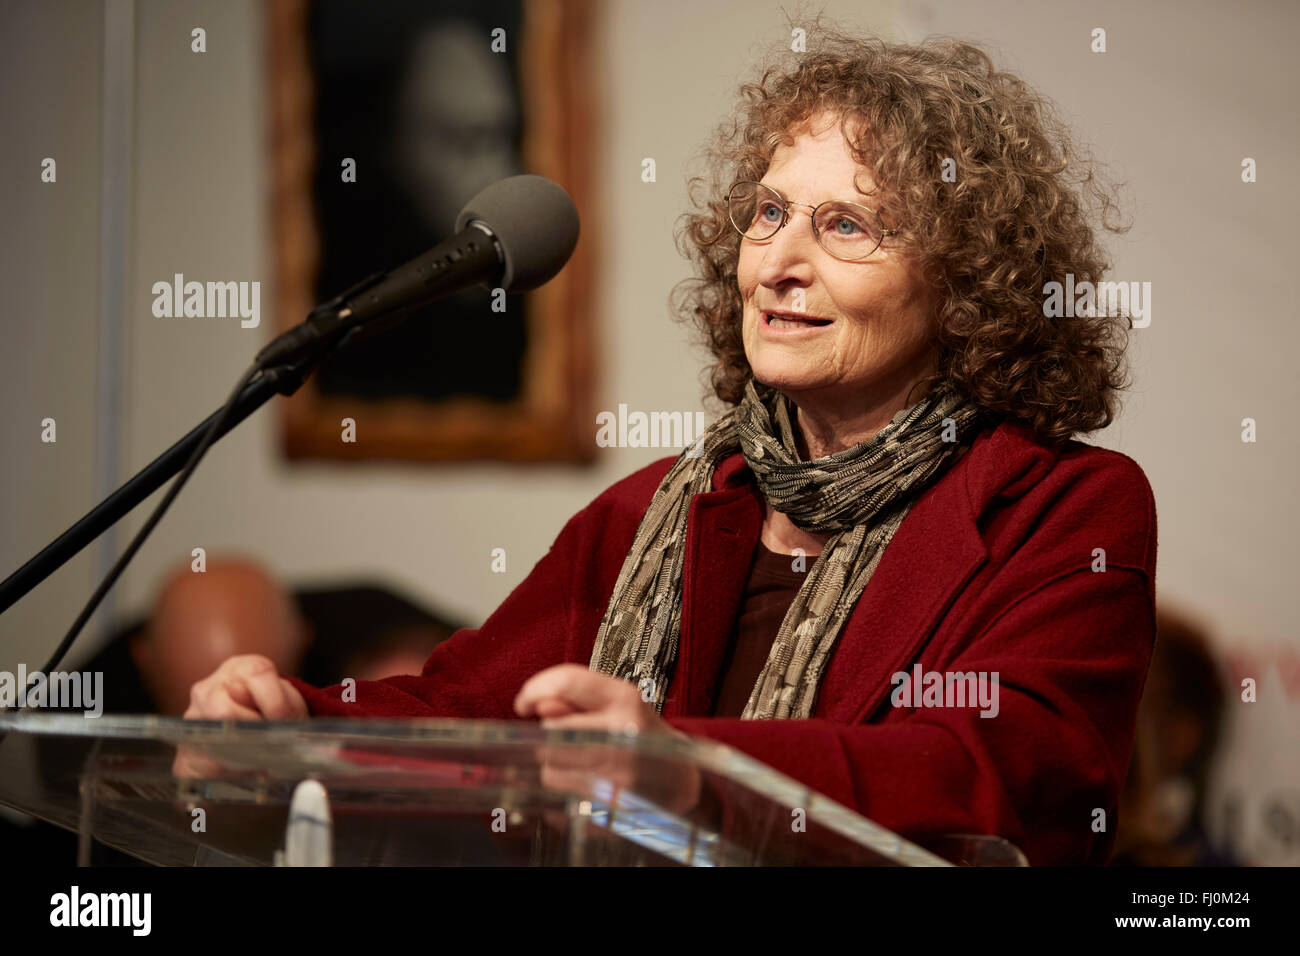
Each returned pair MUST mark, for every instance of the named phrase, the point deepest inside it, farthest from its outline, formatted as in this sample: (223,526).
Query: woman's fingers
(265,692)
(246,687)
(553,707)
(580,688)
(549,684)
(217,703)
(298,708)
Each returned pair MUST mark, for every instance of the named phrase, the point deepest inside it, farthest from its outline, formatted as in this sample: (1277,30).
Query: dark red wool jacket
(992,570)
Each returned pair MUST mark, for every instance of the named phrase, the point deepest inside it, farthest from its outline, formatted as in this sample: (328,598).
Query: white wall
(50,65)
(1185,91)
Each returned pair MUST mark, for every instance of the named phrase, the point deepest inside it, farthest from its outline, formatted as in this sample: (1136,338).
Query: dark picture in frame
(381,130)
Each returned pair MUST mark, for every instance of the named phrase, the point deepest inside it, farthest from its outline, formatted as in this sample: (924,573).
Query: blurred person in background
(1162,809)
(236,606)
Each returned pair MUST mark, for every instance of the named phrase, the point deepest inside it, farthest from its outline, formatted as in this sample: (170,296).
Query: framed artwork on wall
(381,128)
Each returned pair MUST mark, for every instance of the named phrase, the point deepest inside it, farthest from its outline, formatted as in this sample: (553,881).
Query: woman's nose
(788,254)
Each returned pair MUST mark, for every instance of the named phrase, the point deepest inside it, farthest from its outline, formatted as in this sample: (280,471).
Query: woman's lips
(791,323)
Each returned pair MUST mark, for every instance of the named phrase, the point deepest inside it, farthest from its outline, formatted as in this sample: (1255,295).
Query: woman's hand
(573,697)
(246,687)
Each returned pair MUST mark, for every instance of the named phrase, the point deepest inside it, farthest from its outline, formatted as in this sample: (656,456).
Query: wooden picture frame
(552,417)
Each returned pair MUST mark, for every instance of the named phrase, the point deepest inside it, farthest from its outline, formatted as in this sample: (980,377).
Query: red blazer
(992,570)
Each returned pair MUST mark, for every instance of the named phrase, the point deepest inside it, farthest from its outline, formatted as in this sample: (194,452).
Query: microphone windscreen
(534,220)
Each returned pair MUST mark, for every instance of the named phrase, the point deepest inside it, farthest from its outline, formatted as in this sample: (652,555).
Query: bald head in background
(201,618)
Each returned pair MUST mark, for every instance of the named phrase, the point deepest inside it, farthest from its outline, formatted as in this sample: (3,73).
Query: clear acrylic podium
(428,793)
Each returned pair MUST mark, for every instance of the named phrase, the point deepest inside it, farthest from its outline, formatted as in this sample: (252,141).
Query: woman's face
(879,338)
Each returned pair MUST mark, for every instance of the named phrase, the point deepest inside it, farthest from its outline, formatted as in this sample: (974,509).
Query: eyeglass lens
(844,229)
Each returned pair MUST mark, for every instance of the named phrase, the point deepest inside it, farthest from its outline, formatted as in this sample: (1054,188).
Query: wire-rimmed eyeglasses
(846,230)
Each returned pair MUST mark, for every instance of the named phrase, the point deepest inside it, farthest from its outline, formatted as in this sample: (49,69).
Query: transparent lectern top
(425,792)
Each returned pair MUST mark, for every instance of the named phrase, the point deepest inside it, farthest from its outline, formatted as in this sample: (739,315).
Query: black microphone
(516,234)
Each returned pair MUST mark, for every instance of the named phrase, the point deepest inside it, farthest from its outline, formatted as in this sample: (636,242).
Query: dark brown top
(772,585)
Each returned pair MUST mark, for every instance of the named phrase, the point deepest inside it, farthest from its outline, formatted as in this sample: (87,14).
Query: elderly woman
(893,504)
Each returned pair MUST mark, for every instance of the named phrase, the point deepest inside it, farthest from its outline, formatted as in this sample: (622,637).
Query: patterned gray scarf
(859,496)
